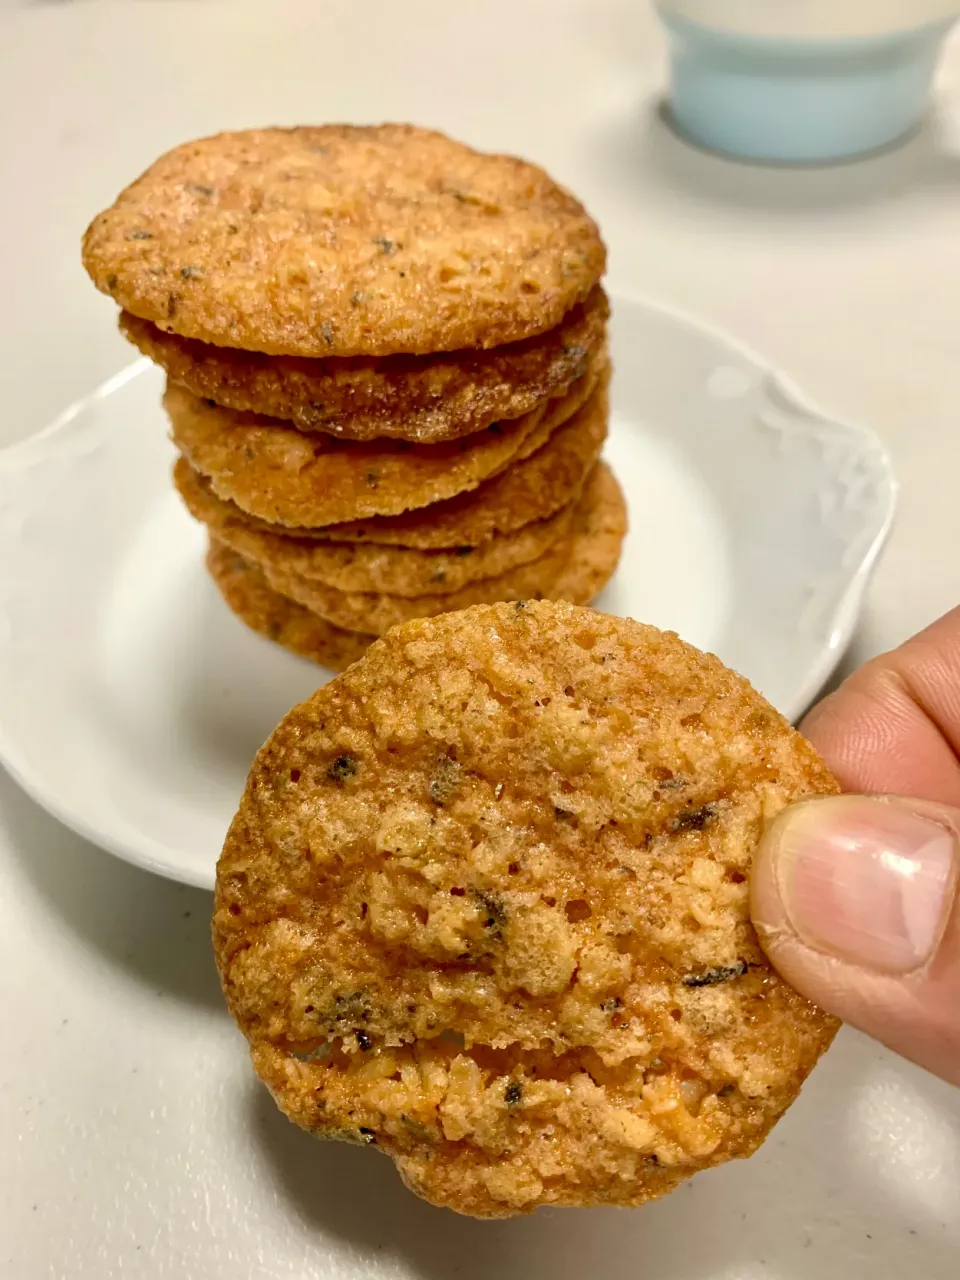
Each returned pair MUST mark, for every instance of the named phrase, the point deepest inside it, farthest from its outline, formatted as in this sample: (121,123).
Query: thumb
(855,902)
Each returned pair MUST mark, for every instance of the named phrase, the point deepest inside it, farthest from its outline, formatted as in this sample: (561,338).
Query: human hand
(855,898)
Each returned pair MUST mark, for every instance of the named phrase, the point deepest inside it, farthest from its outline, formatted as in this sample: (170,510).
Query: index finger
(894,726)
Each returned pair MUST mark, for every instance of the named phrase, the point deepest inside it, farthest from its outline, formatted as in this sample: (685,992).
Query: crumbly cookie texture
(575,568)
(398,571)
(272,470)
(484,907)
(427,399)
(345,240)
(247,593)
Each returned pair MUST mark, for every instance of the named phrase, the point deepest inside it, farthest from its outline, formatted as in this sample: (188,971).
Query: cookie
(345,240)
(273,471)
(246,592)
(533,489)
(427,399)
(484,907)
(399,571)
(575,568)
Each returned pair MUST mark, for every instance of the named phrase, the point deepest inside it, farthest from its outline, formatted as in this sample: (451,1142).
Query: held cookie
(248,595)
(575,568)
(484,908)
(345,240)
(427,399)
(273,471)
(398,571)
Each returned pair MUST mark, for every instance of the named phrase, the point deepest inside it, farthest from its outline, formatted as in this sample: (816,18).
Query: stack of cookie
(387,374)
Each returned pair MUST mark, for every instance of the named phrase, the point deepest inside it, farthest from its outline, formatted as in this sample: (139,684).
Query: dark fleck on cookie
(366,567)
(427,399)
(520,1008)
(532,489)
(574,568)
(272,470)
(345,240)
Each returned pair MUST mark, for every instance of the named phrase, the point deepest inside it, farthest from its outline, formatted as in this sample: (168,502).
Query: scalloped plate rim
(847,613)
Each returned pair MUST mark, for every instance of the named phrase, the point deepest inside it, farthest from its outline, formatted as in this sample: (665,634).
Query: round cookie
(247,594)
(345,240)
(427,399)
(398,571)
(273,471)
(575,568)
(484,906)
(533,489)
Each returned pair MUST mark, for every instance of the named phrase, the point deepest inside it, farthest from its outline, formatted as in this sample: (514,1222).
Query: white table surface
(133,1141)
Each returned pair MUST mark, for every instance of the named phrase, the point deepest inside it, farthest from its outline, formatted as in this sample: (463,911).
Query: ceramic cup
(802,81)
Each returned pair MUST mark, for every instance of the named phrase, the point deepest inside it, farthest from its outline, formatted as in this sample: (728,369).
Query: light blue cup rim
(788,47)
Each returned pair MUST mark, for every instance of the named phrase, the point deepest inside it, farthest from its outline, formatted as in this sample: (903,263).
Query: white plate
(132,702)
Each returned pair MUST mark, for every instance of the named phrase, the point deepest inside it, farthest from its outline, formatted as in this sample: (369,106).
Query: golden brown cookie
(273,471)
(533,489)
(246,592)
(427,399)
(399,571)
(345,240)
(484,907)
(575,568)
